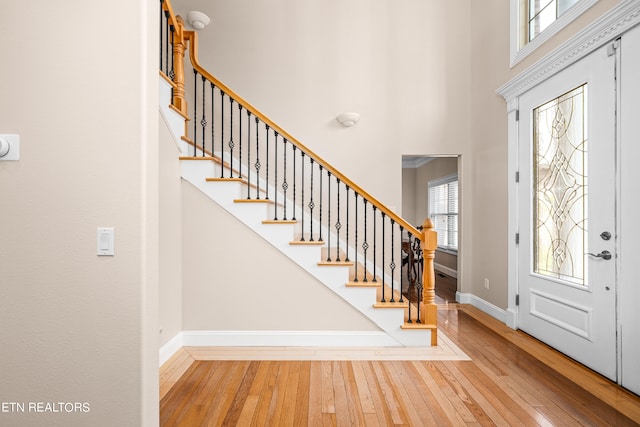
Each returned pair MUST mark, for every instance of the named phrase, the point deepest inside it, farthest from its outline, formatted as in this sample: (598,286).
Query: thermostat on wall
(9,147)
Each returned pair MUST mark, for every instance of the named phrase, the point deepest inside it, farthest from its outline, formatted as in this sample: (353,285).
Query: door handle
(606,255)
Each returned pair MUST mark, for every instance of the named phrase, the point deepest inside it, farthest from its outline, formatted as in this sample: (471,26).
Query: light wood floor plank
(303,395)
(413,404)
(382,411)
(397,414)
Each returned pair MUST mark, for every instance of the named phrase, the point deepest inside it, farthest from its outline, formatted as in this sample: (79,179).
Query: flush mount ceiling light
(348,119)
(197,20)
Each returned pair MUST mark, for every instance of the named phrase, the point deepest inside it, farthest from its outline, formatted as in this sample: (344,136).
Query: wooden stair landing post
(429,245)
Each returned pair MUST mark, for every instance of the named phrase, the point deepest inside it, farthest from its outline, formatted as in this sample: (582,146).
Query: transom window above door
(535,21)
(542,13)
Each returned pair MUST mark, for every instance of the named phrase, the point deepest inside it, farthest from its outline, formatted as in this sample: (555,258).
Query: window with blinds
(443,211)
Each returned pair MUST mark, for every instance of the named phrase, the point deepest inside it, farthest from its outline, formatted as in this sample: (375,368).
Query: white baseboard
(446,270)
(170,348)
(288,338)
(275,339)
(483,305)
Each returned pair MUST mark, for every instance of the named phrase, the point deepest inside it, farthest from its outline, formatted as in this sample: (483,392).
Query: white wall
(77,327)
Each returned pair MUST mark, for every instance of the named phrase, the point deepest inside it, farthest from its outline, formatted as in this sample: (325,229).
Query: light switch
(106,245)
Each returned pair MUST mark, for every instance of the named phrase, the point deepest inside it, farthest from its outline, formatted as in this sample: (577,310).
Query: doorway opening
(430,190)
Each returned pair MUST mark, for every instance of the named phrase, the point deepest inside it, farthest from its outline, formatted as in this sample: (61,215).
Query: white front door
(567,212)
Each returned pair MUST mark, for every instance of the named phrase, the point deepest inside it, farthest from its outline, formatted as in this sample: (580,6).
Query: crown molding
(608,27)
(415,162)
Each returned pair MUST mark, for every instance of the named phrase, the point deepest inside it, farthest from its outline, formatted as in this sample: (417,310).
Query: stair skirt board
(303,345)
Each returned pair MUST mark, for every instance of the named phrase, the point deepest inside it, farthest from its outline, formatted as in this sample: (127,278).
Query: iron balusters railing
(383,249)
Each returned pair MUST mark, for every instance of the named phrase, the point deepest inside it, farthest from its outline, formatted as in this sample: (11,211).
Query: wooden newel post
(179,101)
(429,245)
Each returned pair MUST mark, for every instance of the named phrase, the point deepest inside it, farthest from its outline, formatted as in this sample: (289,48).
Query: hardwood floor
(512,379)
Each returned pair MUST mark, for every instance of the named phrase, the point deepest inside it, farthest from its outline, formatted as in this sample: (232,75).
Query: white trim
(606,28)
(410,162)
(287,339)
(443,180)
(487,307)
(565,19)
(170,348)
(446,270)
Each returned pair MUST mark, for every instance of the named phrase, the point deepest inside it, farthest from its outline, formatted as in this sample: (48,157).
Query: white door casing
(574,315)
(629,225)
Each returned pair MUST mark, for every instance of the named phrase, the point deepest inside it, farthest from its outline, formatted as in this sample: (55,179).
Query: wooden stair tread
(209,158)
(279,221)
(361,284)
(420,326)
(307,243)
(234,179)
(335,263)
(388,304)
(252,201)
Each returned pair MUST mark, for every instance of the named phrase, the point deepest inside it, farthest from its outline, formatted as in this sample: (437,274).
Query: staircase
(301,205)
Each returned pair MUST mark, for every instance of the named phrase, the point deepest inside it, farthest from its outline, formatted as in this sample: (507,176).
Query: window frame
(436,183)
(519,18)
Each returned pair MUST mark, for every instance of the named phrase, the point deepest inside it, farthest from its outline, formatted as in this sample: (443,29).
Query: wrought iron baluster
(195,112)
(231,143)
(321,179)
(266,126)
(410,258)
(311,202)
(392,265)
(203,121)
(285,185)
(213,119)
(302,156)
(166,45)
(275,180)
(384,246)
(248,155)
(294,185)
(401,263)
(375,209)
(347,239)
(172,72)
(338,225)
(240,108)
(419,272)
(222,95)
(328,216)
(356,237)
(365,245)
(160,26)
(257,163)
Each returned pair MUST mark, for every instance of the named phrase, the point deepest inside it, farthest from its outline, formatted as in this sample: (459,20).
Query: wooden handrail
(192,37)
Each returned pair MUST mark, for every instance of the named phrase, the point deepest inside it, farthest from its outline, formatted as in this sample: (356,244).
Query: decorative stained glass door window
(560,187)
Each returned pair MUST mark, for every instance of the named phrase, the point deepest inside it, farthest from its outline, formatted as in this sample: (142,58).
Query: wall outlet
(486,283)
